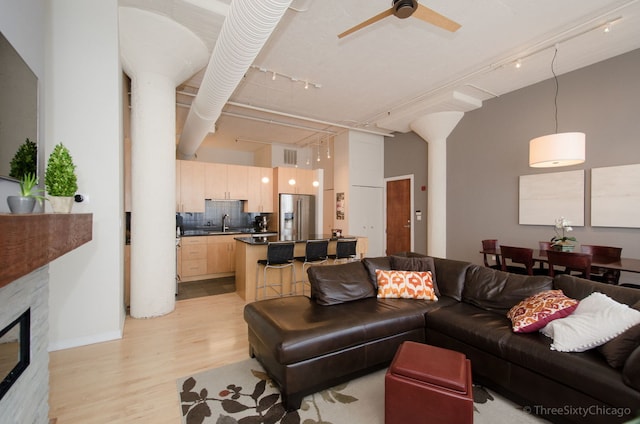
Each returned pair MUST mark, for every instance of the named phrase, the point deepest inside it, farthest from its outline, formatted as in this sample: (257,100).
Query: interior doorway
(399,217)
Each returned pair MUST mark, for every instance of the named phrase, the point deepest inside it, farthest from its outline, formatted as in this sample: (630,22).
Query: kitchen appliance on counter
(297,216)
(261,223)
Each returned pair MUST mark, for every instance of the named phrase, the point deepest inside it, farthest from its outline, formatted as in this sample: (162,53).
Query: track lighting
(275,74)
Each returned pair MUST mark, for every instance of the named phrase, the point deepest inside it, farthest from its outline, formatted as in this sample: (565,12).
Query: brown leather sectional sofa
(343,331)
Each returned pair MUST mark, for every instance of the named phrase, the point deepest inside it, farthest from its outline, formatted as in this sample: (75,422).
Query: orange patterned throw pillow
(536,311)
(405,285)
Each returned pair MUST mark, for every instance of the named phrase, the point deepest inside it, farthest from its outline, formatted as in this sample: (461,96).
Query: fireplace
(14,350)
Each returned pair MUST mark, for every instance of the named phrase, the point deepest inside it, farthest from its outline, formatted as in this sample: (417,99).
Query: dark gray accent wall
(488,151)
(406,154)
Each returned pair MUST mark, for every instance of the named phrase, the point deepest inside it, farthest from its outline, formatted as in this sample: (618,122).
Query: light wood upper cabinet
(191,182)
(260,192)
(224,181)
(303,180)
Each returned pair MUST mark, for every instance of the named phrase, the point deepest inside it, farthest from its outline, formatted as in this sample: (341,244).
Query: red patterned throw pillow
(536,311)
(405,284)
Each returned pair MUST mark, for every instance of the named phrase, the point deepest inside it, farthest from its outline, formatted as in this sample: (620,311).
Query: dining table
(622,264)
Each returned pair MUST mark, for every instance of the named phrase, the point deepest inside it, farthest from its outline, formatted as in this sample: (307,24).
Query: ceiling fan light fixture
(404,8)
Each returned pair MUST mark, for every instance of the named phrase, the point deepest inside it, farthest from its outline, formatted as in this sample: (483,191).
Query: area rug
(242,393)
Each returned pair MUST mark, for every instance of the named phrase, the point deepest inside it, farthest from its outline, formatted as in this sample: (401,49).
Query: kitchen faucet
(225,224)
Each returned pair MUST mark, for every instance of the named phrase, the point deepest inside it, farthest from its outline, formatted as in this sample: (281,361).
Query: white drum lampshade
(553,150)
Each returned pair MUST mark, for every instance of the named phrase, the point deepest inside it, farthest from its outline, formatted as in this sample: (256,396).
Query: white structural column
(434,129)
(157,54)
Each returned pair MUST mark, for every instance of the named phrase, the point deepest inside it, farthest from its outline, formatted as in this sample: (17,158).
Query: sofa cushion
(499,291)
(405,285)
(371,264)
(534,312)
(333,284)
(585,372)
(579,288)
(295,328)
(631,370)
(414,263)
(596,320)
(451,275)
(483,329)
(617,351)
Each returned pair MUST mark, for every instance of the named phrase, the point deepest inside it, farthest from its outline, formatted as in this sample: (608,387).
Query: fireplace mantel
(33,240)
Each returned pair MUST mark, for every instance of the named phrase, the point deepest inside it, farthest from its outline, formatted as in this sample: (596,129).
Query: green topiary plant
(60,177)
(25,160)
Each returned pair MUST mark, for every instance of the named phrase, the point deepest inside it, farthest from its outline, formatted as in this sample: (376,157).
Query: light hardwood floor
(133,380)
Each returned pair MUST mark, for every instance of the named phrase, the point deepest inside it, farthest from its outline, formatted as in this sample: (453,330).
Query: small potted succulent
(60,179)
(29,193)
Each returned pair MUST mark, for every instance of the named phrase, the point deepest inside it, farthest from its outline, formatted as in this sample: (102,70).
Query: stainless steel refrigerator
(297,216)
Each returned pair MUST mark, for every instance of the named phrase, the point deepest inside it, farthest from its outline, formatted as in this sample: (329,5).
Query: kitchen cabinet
(260,192)
(303,180)
(190,178)
(224,181)
(221,254)
(193,252)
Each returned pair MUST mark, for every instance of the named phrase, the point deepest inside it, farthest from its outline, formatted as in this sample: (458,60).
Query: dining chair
(517,255)
(543,246)
(572,261)
(603,254)
(315,253)
(489,248)
(279,256)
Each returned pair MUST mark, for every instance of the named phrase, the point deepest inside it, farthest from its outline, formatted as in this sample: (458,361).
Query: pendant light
(558,149)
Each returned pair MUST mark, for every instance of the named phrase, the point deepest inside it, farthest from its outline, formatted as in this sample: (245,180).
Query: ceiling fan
(405,8)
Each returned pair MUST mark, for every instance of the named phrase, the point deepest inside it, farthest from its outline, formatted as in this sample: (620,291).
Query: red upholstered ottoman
(428,384)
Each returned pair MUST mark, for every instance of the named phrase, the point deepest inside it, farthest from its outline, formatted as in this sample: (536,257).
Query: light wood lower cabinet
(194,256)
(206,257)
(221,254)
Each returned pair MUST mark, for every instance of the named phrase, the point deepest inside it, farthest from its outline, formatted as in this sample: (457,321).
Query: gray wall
(406,154)
(488,151)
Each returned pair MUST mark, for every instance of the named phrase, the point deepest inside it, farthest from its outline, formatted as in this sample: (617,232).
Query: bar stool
(279,256)
(315,253)
(345,250)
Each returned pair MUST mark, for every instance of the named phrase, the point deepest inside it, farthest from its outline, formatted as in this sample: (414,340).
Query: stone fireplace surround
(29,243)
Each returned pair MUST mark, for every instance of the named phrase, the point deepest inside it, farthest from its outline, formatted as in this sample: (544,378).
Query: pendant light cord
(555,77)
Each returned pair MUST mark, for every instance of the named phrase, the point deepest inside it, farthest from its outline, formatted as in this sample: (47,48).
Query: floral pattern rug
(242,393)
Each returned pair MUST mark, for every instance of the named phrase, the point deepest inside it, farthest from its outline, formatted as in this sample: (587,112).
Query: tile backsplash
(213,213)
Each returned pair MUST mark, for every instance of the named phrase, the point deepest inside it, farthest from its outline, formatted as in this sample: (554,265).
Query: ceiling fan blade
(434,18)
(368,22)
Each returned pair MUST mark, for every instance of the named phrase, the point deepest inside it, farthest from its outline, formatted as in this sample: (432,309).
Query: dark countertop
(257,240)
(218,232)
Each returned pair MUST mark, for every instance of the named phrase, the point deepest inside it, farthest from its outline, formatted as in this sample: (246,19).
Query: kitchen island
(250,249)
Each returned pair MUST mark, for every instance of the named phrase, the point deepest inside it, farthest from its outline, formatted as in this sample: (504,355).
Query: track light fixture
(275,74)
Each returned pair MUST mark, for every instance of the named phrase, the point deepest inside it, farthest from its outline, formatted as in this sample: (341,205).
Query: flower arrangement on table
(561,241)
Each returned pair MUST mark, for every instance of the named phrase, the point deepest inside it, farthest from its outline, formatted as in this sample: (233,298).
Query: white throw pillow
(596,320)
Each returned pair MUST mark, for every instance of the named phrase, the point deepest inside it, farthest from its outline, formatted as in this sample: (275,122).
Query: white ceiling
(384,76)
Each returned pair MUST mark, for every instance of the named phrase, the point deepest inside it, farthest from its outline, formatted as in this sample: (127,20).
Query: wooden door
(398,216)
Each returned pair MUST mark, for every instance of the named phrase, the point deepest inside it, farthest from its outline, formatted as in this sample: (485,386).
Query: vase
(564,247)
(21,204)
(61,204)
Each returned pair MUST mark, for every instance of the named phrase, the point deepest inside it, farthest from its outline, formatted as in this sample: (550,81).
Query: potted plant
(25,160)
(561,241)
(28,195)
(60,179)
